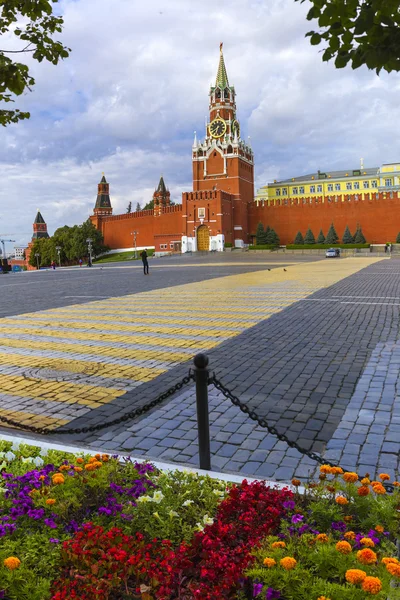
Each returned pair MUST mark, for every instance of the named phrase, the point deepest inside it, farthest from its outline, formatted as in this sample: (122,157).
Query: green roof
(39,218)
(222,76)
(161,186)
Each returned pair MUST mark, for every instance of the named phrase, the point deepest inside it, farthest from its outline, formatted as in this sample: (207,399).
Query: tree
(260,234)
(34,24)
(44,247)
(129,208)
(149,205)
(321,237)
(359,32)
(331,237)
(398,238)
(347,237)
(359,236)
(309,237)
(272,238)
(298,240)
(138,206)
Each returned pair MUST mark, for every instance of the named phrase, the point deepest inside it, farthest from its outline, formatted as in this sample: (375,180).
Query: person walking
(80,262)
(145,262)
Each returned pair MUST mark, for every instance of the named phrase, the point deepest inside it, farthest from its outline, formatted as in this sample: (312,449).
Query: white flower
(27,460)
(144,499)
(38,462)
(44,452)
(187,503)
(157,497)
(9,456)
(199,527)
(172,513)
(207,520)
(15,446)
(157,516)
(218,493)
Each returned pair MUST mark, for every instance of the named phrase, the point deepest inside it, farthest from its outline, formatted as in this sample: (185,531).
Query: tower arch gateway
(203,238)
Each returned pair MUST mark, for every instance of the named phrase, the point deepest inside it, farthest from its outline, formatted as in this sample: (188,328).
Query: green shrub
(299,238)
(323,246)
(347,237)
(359,237)
(321,238)
(260,234)
(228,245)
(309,237)
(331,237)
(262,247)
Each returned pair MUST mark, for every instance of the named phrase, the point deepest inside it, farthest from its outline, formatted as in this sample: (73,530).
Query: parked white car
(332,253)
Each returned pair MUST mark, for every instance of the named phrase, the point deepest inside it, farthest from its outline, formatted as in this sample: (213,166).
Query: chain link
(127,417)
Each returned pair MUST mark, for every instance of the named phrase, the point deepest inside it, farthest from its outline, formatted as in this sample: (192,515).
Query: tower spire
(222,76)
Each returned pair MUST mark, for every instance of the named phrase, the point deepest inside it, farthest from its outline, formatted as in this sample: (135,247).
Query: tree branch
(16,51)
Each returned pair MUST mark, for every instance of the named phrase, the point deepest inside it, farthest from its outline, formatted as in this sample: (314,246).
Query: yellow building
(330,185)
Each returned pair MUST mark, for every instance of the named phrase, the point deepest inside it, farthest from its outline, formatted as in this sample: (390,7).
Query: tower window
(348,185)
(312,189)
(374,183)
(356,185)
(330,187)
(366,184)
(218,93)
(388,182)
(319,188)
(337,187)
(302,189)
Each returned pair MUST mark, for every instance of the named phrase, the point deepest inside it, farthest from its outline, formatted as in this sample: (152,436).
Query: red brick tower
(39,227)
(223,176)
(161,198)
(103,203)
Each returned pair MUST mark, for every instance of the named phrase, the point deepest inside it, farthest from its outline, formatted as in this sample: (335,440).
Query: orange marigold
(322,537)
(90,467)
(337,471)
(97,456)
(50,501)
(355,576)
(269,562)
(57,479)
(343,547)
(393,569)
(323,598)
(341,500)
(42,478)
(363,490)
(326,469)
(350,477)
(63,468)
(278,545)
(372,585)
(396,483)
(105,457)
(288,563)
(365,481)
(389,559)
(79,461)
(366,556)
(12,562)
(367,542)
(348,518)
(384,477)
(92,459)
(379,529)
(78,469)
(379,489)
(296,482)
(350,535)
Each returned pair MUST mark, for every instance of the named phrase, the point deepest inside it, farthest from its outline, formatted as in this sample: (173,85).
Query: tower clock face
(217,128)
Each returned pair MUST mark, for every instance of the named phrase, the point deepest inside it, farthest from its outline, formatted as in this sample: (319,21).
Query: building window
(374,183)
(301,189)
(366,185)
(295,190)
(330,187)
(337,187)
(312,189)
(348,185)
(319,188)
(356,185)
(284,191)
(278,191)
(171,245)
(388,182)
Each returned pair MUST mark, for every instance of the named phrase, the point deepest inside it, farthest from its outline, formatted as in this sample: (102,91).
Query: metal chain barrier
(127,417)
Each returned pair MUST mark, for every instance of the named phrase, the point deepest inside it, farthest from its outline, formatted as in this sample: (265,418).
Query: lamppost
(58,248)
(135,233)
(89,243)
(37,259)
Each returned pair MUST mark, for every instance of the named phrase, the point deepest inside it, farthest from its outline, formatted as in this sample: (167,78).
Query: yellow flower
(50,501)
(365,481)
(337,471)
(63,468)
(350,477)
(343,547)
(341,500)
(393,569)
(379,489)
(366,556)
(367,542)
(355,576)
(326,469)
(384,477)
(58,479)
(288,563)
(78,469)
(269,562)
(389,559)
(372,585)
(350,535)
(12,562)
(278,545)
(323,538)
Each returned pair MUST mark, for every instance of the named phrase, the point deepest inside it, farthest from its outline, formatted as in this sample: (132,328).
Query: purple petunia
(297,518)
(272,594)
(54,541)
(339,526)
(257,589)
(289,505)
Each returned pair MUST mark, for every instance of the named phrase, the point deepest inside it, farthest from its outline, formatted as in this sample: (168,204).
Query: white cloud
(136,86)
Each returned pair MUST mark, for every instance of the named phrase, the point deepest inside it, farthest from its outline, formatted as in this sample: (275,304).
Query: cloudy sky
(135,88)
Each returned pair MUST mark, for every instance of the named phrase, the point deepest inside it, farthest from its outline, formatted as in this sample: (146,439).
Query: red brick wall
(379,218)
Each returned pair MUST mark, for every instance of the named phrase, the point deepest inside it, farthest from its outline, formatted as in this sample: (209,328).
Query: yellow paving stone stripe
(69,393)
(28,418)
(109,337)
(87,367)
(99,351)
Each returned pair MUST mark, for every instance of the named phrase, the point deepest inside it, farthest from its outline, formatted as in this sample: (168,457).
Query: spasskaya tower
(216,211)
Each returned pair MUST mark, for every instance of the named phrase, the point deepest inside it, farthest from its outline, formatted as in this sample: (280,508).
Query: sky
(135,88)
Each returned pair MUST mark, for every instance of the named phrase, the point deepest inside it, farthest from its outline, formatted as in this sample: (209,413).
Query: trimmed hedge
(263,247)
(324,246)
(228,245)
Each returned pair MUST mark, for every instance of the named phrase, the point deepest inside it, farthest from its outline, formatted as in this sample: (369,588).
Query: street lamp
(89,243)
(58,248)
(37,259)
(135,233)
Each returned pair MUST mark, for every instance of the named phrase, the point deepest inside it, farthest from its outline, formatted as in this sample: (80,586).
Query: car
(332,253)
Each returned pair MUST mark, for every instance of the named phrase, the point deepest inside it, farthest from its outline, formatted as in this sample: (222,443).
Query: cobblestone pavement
(58,365)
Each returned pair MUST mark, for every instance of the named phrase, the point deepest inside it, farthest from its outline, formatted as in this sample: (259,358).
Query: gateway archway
(203,238)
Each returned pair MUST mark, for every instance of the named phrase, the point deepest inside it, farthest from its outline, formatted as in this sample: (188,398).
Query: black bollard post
(201,377)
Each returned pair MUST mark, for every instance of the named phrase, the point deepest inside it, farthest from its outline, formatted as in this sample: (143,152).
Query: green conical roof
(161,186)
(222,76)
(39,218)
(103,179)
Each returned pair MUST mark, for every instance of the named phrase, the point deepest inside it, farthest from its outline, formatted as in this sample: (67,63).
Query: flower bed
(93,527)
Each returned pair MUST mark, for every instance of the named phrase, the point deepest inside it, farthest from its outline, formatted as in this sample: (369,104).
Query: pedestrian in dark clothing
(145,262)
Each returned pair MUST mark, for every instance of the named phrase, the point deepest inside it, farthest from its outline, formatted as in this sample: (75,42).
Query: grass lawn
(121,256)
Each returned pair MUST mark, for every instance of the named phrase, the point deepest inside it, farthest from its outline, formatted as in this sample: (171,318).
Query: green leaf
(315,39)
